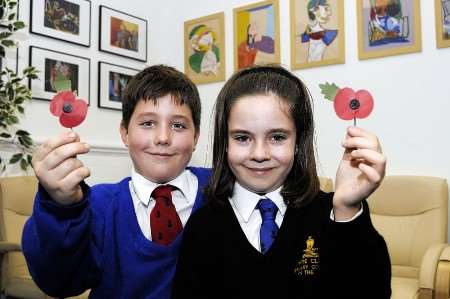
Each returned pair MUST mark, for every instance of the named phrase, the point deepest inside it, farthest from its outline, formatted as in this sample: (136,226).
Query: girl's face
(261,142)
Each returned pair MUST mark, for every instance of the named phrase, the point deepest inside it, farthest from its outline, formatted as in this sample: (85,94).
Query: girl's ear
(296,150)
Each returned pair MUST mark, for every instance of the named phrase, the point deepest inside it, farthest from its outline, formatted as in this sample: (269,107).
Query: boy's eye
(277,138)
(147,124)
(241,138)
(178,126)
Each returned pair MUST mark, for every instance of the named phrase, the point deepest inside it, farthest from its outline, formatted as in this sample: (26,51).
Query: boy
(120,240)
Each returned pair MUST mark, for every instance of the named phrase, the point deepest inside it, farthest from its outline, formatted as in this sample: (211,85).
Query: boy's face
(261,142)
(160,138)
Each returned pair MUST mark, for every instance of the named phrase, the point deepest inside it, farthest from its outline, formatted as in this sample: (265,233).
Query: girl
(268,231)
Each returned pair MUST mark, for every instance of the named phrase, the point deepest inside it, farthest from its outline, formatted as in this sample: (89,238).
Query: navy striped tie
(269,228)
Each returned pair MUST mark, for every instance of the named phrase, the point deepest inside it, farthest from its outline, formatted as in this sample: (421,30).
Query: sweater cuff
(63,211)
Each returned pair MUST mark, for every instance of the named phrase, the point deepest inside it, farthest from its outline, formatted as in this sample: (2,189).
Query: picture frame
(64,20)
(442,12)
(317,33)
(59,71)
(122,34)
(256,34)
(391,28)
(112,80)
(204,49)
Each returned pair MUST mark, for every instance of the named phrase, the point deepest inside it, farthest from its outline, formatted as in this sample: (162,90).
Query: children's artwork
(59,72)
(204,49)
(347,103)
(70,110)
(122,34)
(256,34)
(442,8)
(388,27)
(112,82)
(317,33)
(69,21)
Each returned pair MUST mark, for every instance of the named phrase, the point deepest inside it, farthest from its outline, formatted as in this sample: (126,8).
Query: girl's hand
(360,172)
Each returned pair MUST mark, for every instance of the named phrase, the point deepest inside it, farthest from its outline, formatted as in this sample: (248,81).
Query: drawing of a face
(323,13)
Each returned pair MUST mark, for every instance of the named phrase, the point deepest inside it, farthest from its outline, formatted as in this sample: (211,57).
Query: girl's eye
(148,124)
(277,138)
(241,138)
(178,126)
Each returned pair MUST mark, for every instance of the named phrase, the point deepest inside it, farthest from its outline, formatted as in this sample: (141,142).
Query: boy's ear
(197,134)
(124,133)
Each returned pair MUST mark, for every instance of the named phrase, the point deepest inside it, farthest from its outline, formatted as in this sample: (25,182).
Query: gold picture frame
(385,31)
(204,49)
(442,11)
(317,33)
(256,34)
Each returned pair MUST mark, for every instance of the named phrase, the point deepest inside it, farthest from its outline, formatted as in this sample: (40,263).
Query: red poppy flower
(349,105)
(71,111)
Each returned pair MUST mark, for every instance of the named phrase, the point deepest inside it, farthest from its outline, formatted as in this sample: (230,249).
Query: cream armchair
(16,204)
(411,212)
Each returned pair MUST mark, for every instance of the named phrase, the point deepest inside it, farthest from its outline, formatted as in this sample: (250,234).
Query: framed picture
(66,20)
(112,80)
(59,71)
(204,49)
(256,34)
(317,33)
(442,8)
(388,27)
(122,34)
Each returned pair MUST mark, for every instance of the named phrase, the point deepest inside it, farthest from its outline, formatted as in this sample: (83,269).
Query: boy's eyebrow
(143,114)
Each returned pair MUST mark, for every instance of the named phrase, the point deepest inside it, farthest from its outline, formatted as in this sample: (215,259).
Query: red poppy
(349,105)
(71,111)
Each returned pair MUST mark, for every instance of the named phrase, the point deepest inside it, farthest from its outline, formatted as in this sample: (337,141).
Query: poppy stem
(354,121)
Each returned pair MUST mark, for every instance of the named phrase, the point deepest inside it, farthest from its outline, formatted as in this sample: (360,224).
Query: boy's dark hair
(158,81)
(302,183)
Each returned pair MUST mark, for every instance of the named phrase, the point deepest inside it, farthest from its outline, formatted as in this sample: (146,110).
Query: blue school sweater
(98,244)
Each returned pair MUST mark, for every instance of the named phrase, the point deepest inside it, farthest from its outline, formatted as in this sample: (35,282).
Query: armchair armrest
(9,246)
(429,265)
(442,289)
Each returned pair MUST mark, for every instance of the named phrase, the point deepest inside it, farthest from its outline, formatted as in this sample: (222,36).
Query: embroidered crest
(309,263)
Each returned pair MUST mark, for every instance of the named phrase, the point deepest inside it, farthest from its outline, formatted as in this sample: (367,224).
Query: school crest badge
(309,263)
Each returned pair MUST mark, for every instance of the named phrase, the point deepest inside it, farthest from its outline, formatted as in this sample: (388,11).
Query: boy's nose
(162,135)
(260,151)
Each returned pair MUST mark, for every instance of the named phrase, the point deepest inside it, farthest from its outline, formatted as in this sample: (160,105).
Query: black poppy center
(354,104)
(67,108)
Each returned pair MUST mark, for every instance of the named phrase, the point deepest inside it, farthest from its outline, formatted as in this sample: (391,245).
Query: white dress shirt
(244,204)
(183,197)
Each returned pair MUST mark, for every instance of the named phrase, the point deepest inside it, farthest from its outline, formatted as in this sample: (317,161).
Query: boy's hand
(360,172)
(58,170)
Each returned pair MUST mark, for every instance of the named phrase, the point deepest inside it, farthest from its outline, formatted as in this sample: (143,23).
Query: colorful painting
(65,20)
(442,8)
(317,33)
(59,71)
(256,34)
(122,34)
(62,15)
(388,27)
(204,49)
(60,75)
(113,80)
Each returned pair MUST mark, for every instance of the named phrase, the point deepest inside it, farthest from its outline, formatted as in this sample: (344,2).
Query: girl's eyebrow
(271,131)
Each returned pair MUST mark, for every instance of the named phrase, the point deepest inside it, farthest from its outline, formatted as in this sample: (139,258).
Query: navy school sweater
(98,244)
(312,257)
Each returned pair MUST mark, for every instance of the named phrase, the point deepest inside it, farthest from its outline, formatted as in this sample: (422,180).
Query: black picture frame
(132,42)
(107,100)
(64,30)
(44,87)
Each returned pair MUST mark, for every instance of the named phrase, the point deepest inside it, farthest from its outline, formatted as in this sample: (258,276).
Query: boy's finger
(73,179)
(66,167)
(63,153)
(53,143)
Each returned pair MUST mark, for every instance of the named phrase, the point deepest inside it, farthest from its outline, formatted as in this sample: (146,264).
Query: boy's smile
(160,137)
(261,142)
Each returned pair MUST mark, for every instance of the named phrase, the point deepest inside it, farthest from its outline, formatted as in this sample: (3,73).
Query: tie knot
(267,208)
(163,191)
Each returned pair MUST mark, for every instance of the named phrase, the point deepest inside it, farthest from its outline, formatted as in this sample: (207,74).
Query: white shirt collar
(144,187)
(245,201)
